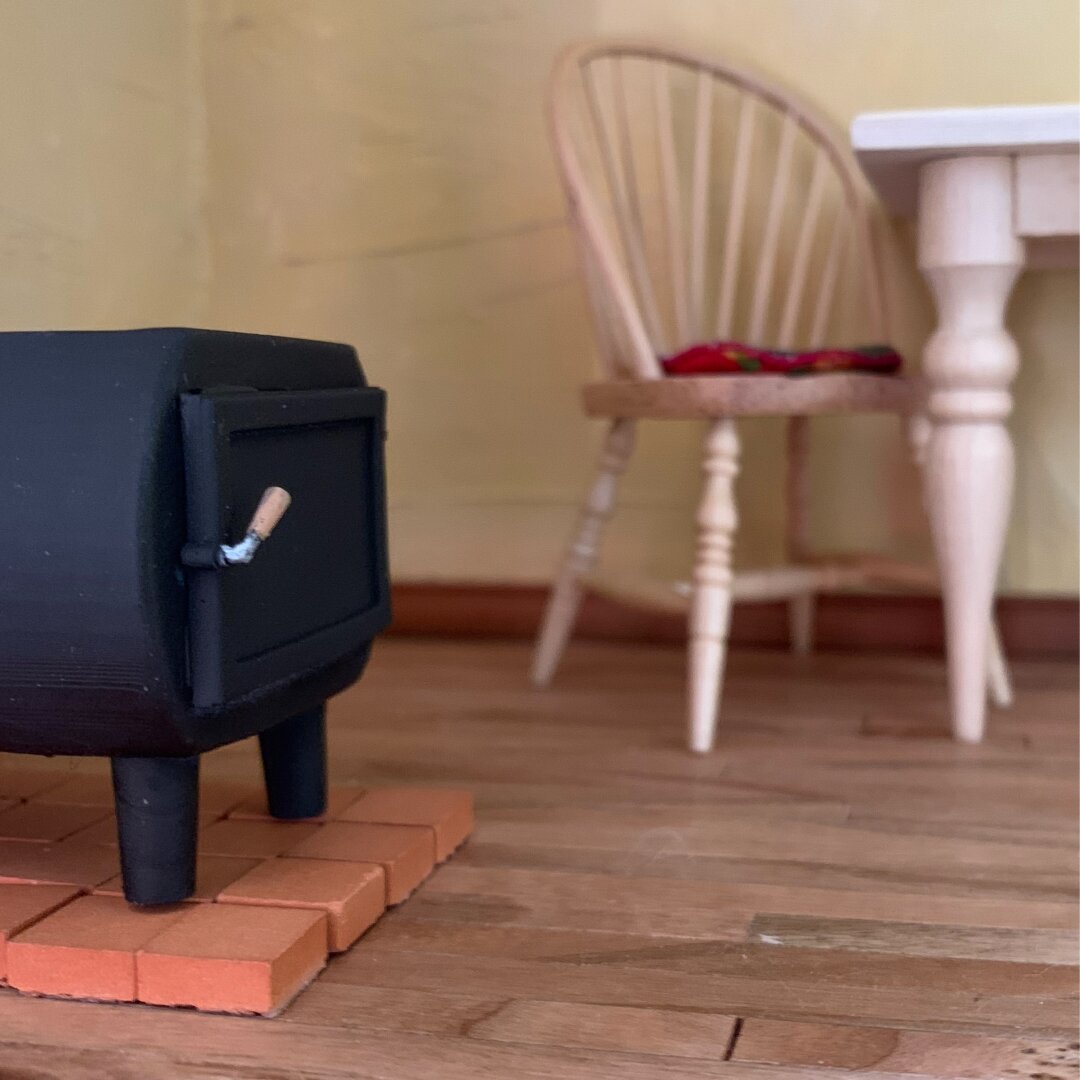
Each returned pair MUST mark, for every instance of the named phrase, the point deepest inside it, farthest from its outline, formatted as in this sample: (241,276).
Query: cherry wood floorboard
(838,890)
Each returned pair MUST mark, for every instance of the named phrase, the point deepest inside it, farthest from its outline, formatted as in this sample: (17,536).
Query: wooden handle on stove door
(273,504)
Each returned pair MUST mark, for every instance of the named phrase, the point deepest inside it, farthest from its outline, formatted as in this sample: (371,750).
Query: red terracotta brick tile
(253,839)
(83,789)
(101,832)
(338,799)
(232,958)
(218,797)
(22,905)
(287,892)
(104,831)
(212,874)
(17,783)
(47,821)
(352,894)
(449,813)
(86,949)
(66,863)
(405,852)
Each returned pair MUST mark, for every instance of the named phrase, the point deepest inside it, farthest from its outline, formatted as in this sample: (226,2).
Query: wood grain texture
(607,919)
(918,939)
(920,1053)
(667,1032)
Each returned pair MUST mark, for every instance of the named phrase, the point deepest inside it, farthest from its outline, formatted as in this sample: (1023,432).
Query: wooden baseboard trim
(1045,627)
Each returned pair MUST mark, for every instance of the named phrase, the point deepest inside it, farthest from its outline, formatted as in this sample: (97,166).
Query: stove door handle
(271,509)
(272,506)
(210,556)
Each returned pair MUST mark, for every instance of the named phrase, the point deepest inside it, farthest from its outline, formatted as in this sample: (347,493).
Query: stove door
(317,589)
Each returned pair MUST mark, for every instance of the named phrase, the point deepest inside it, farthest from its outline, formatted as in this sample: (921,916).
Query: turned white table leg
(565,597)
(710,609)
(998,681)
(971,257)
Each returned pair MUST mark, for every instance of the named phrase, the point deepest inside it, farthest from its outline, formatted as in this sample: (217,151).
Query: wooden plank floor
(838,887)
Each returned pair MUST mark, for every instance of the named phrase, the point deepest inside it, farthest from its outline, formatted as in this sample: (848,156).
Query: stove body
(127,459)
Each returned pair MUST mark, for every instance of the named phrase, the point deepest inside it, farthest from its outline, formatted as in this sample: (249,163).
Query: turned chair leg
(294,765)
(802,612)
(802,608)
(710,609)
(997,670)
(157,815)
(565,597)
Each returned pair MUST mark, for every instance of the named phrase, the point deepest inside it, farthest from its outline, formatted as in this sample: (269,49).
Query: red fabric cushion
(738,358)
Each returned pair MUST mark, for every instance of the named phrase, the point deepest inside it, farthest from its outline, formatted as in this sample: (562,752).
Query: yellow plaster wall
(100,165)
(379,173)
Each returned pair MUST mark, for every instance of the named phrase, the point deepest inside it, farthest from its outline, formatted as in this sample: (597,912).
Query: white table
(994,190)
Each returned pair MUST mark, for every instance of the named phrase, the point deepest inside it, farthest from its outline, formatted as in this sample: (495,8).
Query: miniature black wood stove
(141,617)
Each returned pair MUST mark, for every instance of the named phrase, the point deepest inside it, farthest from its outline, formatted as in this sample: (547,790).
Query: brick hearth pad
(272,900)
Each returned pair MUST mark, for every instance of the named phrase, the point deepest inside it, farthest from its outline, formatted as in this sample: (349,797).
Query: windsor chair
(707,136)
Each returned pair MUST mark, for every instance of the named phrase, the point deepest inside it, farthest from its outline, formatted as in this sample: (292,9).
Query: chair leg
(997,670)
(565,597)
(998,681)
(801,619)
(801,609)
(710,611)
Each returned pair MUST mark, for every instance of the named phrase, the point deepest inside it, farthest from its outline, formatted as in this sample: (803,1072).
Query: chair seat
(711,396)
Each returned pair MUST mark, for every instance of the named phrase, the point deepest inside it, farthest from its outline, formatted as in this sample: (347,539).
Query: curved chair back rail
(703,197)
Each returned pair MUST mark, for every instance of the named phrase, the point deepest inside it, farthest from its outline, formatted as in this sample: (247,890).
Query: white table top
(891,146)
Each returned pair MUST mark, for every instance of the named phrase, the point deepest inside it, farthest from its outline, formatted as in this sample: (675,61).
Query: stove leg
(294,765)
(157,814)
